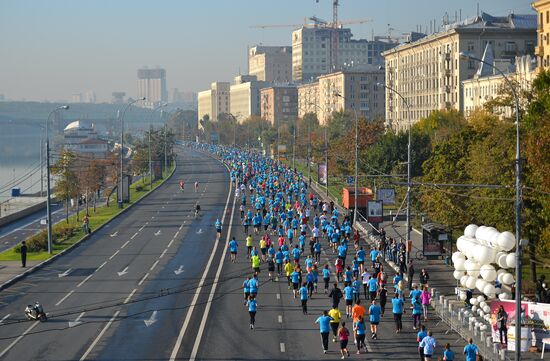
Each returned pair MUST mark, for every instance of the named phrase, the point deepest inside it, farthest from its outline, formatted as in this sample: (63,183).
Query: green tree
(67,181)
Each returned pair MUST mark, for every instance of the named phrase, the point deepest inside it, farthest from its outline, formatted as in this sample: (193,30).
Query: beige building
(279,103)
(543,46)
(428,72)
(214,101)
(152,85)
(245,97)
(270,63)
(352,90)
(308,98)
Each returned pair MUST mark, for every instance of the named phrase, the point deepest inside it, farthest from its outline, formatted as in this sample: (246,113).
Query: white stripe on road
(84,281)
(98,336)
(278,295)
(64,298)
(4,318)
(143,279)
(125,244)
(154,265)
(18,339)
(163,253)
(280,319)
(135,234)
(114,254)
(282,346)
(130,295)
(170,243)
(101,266)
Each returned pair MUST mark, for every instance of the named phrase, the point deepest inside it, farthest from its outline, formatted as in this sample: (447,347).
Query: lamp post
(121,199)
(356,188)
(48,190)
(408,233)
(150,160)
(518,202)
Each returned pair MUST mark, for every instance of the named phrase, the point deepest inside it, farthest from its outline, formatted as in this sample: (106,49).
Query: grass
(102,215)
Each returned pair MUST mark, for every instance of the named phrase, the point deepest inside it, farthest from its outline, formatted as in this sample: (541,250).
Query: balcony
(539,50)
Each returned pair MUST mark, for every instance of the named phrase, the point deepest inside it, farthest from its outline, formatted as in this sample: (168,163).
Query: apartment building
(429,72)
(308,98)
(152,85)
(213,102)
(270,63)
(543,33)
(279,103)
(245,97)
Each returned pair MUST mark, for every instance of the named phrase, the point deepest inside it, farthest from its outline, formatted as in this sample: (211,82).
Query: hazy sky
(51,49)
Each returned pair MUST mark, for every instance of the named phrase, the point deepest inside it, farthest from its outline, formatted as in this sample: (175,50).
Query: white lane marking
(84,280)
(101,266)
(280,319)
(175,235)
(143,279)
(153,217)
(197,291)
(278,295)
(130,295)
(215,284)
(135,234)
(170,243)
(19,338)
(4,318)
(157,233)
(123,272)
(125,244)
(114,254)
(163,253)
(151,319)
(98,336)
(282,346)
(77,321)
(64,298)
(154,265)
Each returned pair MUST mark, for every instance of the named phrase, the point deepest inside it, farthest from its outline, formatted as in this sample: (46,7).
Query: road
(125,293)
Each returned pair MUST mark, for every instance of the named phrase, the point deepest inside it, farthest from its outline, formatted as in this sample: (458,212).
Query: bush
(140,188)
(63,232)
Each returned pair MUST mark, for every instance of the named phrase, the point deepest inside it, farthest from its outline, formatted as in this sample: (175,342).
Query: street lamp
(356,190)
(121,199)
(467,56)
(150,129)
(408,234)
(48,196)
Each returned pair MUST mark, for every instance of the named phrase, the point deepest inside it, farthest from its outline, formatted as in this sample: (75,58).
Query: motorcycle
(35,312)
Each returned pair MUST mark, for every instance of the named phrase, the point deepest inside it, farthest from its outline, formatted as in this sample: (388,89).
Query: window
(510,47)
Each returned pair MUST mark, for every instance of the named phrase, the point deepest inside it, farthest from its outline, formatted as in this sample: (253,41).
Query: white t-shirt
(365,277)
(315,232)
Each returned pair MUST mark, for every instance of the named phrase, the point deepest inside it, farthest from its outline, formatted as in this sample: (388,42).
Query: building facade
(429,72)
(245,97)
(152,86)
(279,103)
(543,33)
(213,102)
(311,55)
(270,63)
(308,98)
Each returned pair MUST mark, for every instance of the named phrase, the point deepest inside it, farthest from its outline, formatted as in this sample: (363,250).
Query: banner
(386,195)
(375,211)
(322,174)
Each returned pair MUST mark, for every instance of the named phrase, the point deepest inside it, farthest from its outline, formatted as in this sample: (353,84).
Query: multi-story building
(279,103)
(311,55)
(245,97)
(270,63)
(308,98)
(543,46)
(152,86)
(428,72)
(213,102)
(352,90)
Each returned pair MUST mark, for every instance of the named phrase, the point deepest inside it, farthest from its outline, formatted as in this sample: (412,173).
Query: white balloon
(490,291)
(498,255)
(473,301)
(480,299)
(487,309)
(474,308)
(470,230)
(459,265)
(511,260)
(504,296)
(483,327)
(463,296)
(479,232)
(501,261)
(472,268)
(459,245)
(488,273)
(482,304)
(481,313)
(471,282)
(457,275)
(506,241)
(507,278)
(463,280)
(458,255)
(484,254)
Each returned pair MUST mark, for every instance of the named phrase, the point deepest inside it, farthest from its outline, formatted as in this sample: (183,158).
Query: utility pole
(150,163)
(294,146)
(326,159)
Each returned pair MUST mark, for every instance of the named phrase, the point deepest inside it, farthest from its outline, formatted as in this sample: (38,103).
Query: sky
(51,49)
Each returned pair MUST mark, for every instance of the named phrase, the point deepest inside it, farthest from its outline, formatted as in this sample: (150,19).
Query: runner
(343,336)
(249,245)
(255,260)
(397,309)
(324,329)
(246,289)
(182,185)
(374,317)
(336,295)
(252,307)
(303,297)
(360,331)
(335,314)
(419,337)
(348,295)
(295,277)
(382,297)
(326,277)
(428,343)
(233,246)
(218,226)
(416,312)
(196,186)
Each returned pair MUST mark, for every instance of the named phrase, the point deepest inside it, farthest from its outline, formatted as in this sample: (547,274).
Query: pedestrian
(374,318)
(428,343)
(348,295)
(86,225)
(360,331)
(23,250)
(416,313)
(335,314)
(425,297)
(373,288)
(253,286)
(270,267)
(397,309)
(233,246)
(382,297)
(410,273)
(295,278)
(448,354)
(419,337)
(303,297)
(252,307)
(471,351)
(246,288)
(424,278)
(502,319)
(343,336)
(324,329)
(289,268)
(255,263)
(336,295)
(326,277)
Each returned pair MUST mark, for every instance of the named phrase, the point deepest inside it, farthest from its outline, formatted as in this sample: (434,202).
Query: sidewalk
(10,269)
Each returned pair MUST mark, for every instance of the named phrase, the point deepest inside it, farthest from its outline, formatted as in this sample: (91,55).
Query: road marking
(151,319)
(157,233)
(123,272)
(163,253)
(114,254)
(84,280)
(175,235)
(4,318)
(154,265)
(125,244)
(179,270)
(77,321)
(280,319)
(153,217)
(282,346)
(66,273)
(101,266)
(278,295)
(170,243)
(135,234)
(64,298)
(97,338)
(143,279)
(130,295)
(19,338)
(199,288)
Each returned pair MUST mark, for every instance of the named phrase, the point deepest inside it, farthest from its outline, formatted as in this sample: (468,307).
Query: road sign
(350,180)
(44,221)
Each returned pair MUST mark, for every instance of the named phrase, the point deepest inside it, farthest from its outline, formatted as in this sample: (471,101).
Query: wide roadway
(128,292)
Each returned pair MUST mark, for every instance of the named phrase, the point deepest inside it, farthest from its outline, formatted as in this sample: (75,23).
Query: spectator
(502,318)
(424,278)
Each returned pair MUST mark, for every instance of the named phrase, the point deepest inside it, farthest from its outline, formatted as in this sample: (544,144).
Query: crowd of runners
(288,227)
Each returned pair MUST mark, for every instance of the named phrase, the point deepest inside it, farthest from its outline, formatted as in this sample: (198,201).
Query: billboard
(375,211)
(322,174)
(386,195)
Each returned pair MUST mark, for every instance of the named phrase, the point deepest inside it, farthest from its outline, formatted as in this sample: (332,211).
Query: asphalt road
(125,293)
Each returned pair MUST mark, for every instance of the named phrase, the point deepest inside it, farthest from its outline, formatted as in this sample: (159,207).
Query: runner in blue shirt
(356,284)
(397,309)
(252,307)
(419,337)
(295,278)
(233,249)
(348,296)
(373,255)
(326,277)
(246,289)
(448,354)
(416,312)
(428,343)
(360,333)
(303,297)
(296,254)
(373,288)
(253,286)
(471,351)
(374,317)
(324,329)
(279,261)
(361,259)
(218,226)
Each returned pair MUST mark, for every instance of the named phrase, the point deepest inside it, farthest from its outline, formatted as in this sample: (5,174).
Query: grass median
(67,233)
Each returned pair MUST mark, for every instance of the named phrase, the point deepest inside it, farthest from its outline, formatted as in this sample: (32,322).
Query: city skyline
(105,42)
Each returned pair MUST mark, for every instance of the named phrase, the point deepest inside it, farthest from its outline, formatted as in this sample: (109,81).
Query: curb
(40,265)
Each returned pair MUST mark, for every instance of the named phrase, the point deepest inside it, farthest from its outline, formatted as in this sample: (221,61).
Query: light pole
(121,185)
(294,145)
(48,196)
(356,190)
(150,129)
(408,233)
(518,202)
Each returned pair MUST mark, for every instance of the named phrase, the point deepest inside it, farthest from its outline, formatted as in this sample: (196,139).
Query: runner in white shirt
(365,280)
(315,233)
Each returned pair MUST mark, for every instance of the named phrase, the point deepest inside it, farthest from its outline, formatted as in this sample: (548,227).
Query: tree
(66,185)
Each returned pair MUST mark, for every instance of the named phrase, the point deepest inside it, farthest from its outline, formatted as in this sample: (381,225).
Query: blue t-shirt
(296,253)
(373,255)
(470,350)
(233,246)
(253,285)
(374,313)
(303,293)
(373,285)
(397,305)
(417,307)
(348,292)
(252,305)
(428,343)
(448,355)
(326,273)
(420,336)
(324,324)
(295,276)
(246,286)
(360,328)
(279,257)
(361,255)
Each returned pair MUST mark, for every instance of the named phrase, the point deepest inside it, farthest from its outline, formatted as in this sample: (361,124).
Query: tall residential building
(118,97)
(245,97)
(279,103)
(311,52)
(213,102)
(270,63)
(428,72)
(543,47)
(308,98)
(152,86)
(352,90)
